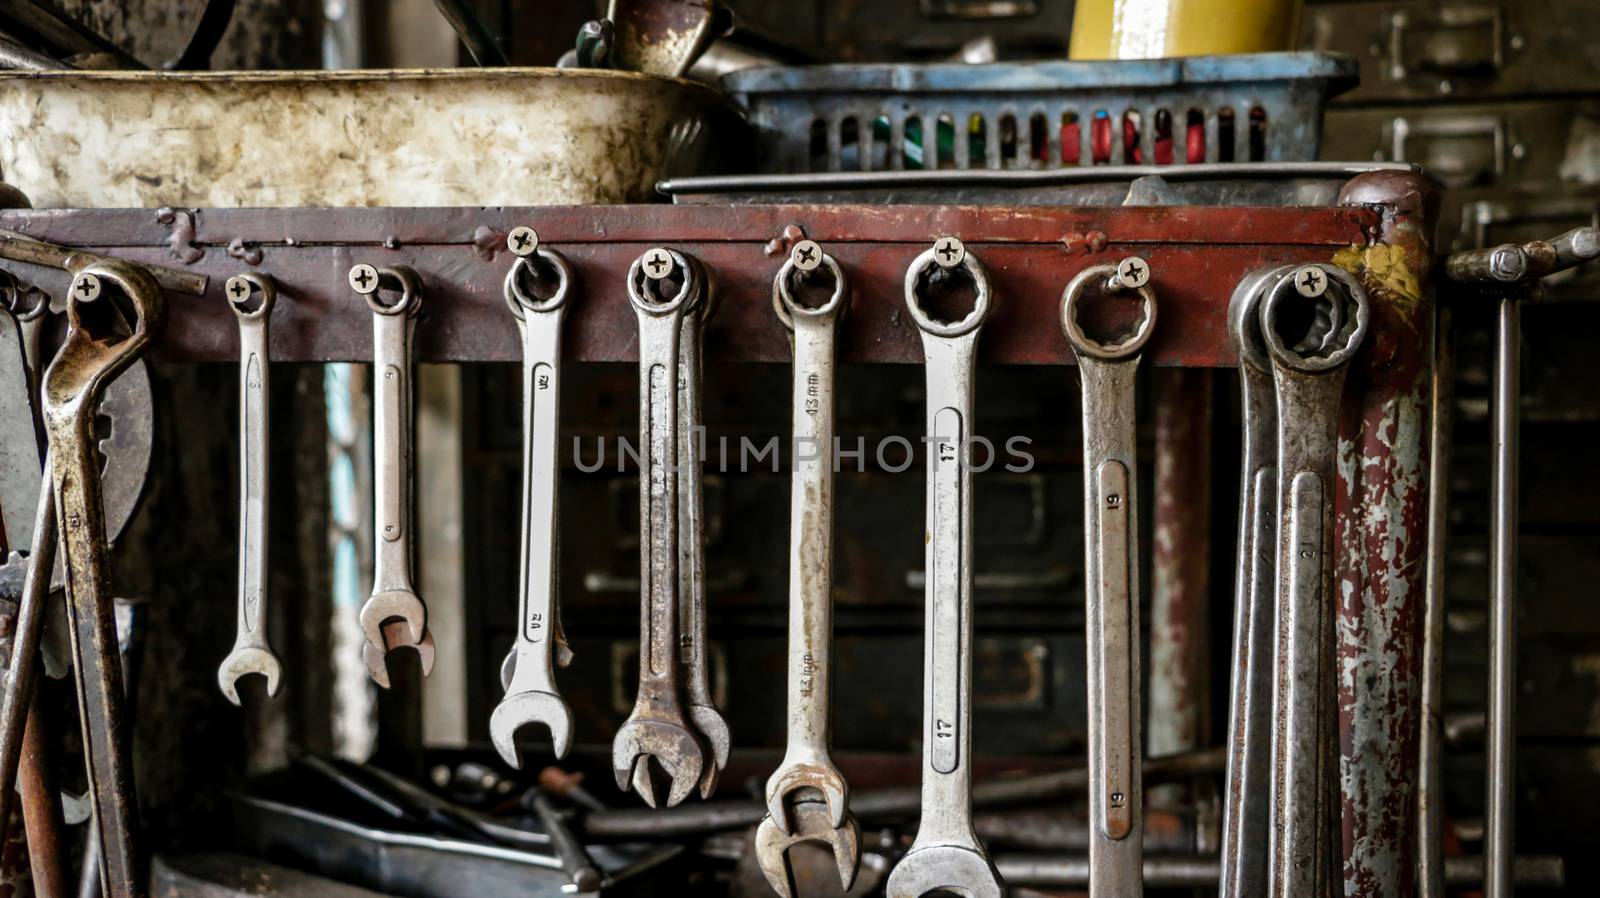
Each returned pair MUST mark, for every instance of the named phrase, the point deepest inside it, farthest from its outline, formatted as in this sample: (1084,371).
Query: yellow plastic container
(1156,29)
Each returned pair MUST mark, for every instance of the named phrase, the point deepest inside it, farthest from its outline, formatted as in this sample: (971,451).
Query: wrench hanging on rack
(536,291)
(1246,812)
(251,654)
(658,728)
(946,854)
(1309,378)
(807,797)
(1111,576)
(393,595)
(702,710)
(90,356)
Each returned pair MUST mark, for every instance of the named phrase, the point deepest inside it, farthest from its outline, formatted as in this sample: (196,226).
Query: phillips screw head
(807,255)
(1133,272)
(238,289)
(657,263)
(1310,281)
(86,288)
(949,252)
(522,241)
(364,279)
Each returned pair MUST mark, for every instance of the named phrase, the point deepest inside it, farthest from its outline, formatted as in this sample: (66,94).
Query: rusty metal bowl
(420,137)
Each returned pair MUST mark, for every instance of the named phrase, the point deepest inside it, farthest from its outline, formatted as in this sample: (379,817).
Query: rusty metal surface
(1380,536)
(1031,253)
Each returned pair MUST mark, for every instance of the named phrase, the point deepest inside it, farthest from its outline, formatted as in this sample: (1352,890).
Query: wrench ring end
(783,301)
(927,263)
(519,300)
(1071,299)
(641,301)
(1354,331)
(242,286)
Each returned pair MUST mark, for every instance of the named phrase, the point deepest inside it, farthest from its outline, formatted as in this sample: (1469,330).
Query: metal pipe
(1500,732)
(41,810)
(469,28)
(1200,871)
(1430,823)
(18,56)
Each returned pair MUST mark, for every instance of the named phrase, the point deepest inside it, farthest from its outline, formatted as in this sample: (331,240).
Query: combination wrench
(393,592)
(98,345)
(531,696)
(702,710)
(1246,810)
(1308,375)
(251,654)
(1111,575)
(807,797)
(658,728)
(946,854)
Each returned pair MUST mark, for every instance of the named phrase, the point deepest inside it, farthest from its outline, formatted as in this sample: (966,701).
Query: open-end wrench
(251,654)
(946,854)
(1246,811)
(394,636)
(807,797)
(702,710)
(1111,576)
(98,345)
(658,729)
(1308,372)
(531,696)
(393,592)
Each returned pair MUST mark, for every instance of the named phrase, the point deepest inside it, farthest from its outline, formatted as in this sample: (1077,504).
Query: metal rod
(1500,738)
(1042,870)
(19,248)
(711,816)
(469,28)
(1430,838)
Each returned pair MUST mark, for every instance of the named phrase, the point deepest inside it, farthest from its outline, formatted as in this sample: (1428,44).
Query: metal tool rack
(1379,230)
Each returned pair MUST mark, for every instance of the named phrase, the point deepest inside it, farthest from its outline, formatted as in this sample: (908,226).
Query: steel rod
(1200,871)
(1430,835)
(1500,736)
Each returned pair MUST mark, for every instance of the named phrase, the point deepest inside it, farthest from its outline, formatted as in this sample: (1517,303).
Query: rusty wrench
(702,710)
(807,797)
(946,854)
(1309,377)
(89,357)
(531,696)
(393,592)
(1246,810)
(658,728)
(251,654)
(1111,576)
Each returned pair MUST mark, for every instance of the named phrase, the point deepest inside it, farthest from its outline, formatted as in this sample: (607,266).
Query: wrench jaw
(813,822)
(783,804)
(673,746)
(944,868)
(243,662)
(377,656)
(517,711)
(387,605)
(718,739)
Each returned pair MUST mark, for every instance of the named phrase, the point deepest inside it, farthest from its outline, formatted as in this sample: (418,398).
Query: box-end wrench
(702,710)
(98,345)
(1308,371)
(536,291)
(251,654)
(946,854)
(807,797)
(393,593)
(658,728)
(1111,574)
(1246,811)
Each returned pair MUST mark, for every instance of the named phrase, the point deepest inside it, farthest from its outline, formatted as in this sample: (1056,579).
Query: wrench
(90,356)
(531,696)
(946,854)
(1246,810)
(395,636)
(251,654)
(1309,380)
(702,710)
(657,728)
(1111,576)
(393,594)
(807,797)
